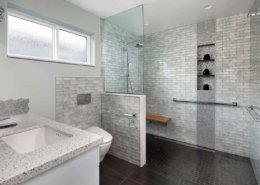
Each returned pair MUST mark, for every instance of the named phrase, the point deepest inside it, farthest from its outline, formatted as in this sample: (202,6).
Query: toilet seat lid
(106,137)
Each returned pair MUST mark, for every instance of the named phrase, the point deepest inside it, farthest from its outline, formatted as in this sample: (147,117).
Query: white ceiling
(165,14)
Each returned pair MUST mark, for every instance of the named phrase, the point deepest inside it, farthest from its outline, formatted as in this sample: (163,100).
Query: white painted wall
(36,80)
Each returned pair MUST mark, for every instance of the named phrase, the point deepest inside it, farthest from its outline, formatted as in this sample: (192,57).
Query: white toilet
(106,140)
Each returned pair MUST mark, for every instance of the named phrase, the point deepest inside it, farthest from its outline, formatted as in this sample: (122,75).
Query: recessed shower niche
(206,67)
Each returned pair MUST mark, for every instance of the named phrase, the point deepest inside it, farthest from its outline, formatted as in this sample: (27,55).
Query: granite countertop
(17,168)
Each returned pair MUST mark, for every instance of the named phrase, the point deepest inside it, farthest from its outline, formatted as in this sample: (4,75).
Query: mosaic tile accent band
(14,107)
(206,32)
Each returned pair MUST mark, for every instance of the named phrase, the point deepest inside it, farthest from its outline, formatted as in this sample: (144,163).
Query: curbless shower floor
(170,163)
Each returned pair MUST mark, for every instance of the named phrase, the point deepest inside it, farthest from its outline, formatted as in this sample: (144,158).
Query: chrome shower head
(139,45)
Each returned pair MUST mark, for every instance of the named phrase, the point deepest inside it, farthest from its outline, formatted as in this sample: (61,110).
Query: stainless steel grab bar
(234,104)
(132,115)
(253,113)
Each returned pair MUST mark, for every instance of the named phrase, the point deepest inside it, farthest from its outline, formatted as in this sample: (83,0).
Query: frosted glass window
(36,39)
(72,47)
(26,38)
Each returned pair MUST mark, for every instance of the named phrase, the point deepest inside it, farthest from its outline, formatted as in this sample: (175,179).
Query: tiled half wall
(113,114)
(129,133)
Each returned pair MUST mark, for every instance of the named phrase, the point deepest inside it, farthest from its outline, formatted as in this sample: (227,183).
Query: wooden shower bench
(157,118)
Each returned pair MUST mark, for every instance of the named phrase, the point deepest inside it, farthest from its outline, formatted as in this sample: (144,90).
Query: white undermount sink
(28,141)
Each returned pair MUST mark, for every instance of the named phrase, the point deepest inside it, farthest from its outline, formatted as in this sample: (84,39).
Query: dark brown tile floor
(169,163)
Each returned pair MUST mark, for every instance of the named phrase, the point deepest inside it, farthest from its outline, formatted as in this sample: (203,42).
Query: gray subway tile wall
(232,124)
(125,130)
(171,72)
(67,109)
(255,60)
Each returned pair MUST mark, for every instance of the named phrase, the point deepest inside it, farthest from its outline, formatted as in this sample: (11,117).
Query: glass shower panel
(123,52)
(255,94)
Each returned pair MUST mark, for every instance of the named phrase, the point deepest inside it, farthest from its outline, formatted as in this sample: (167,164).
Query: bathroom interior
(140,92)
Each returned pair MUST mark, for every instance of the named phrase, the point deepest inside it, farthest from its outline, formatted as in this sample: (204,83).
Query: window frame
(55,29)
(88,44)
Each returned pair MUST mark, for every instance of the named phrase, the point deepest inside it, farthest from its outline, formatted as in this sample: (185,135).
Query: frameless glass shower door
(123,52)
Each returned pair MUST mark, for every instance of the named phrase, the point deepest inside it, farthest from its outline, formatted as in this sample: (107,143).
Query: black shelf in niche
(206,76)
(206,67)
(206,45)
(206,87)
(211,60)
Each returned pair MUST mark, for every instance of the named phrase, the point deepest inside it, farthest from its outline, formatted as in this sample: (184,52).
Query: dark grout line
(129,178)
(125,178)
(115,171)
(160,174)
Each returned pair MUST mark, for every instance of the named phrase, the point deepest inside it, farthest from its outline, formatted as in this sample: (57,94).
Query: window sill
(49,60)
